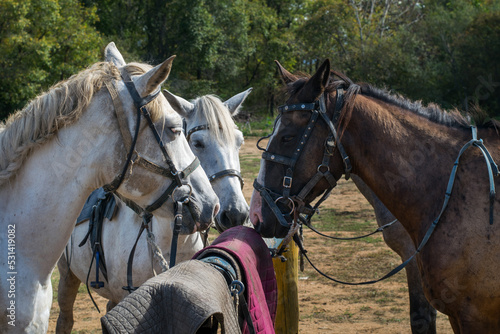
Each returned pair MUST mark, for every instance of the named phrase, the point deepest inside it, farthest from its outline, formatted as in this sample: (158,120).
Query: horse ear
(152,79)
(234,103)
(286,76)
(111,54)
(181,106)
(316,85)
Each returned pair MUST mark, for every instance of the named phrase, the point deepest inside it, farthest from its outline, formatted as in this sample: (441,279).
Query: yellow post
(287,277)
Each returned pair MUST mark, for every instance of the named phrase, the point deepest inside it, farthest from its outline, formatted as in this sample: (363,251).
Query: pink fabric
(249,249)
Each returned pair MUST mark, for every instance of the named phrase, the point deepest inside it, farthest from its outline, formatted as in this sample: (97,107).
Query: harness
(133,158)
(302,213)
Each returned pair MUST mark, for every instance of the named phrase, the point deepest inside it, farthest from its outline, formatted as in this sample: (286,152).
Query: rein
(492,172)
(272,198)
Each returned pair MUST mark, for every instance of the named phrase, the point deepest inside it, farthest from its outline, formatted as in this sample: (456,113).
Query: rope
(157,253)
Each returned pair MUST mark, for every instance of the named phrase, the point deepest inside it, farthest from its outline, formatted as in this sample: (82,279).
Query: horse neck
(401,155)
(50,189)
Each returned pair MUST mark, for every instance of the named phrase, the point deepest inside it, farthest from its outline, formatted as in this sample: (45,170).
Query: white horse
(215,139)
(63,145)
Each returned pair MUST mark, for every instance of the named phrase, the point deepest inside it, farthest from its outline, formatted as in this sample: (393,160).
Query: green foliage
(41,43)
(258,127)
(437,51)
(479,48)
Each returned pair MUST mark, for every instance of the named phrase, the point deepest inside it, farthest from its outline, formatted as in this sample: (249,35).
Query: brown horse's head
(294,156)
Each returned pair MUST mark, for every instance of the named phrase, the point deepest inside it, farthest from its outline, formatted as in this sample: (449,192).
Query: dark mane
(432,111)
(451,118)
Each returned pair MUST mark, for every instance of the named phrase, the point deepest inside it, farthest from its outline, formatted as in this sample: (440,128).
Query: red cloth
(247,246)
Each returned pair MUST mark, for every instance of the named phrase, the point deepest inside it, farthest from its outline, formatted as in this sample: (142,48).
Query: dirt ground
(325,307)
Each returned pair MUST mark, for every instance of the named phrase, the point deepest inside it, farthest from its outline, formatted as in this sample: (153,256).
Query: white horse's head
(215,140)
(163,167)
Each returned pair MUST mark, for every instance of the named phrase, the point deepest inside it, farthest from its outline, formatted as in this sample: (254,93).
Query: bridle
(296,203)
(130,142)
(133,158)
(223,173)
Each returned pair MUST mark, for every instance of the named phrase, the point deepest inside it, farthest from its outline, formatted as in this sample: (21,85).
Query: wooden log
(287,276)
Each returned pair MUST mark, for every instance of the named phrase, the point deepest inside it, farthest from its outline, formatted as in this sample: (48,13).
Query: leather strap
(175,235)
(227,172)
(146,219)
(196,128)
(270,202)
(298,106)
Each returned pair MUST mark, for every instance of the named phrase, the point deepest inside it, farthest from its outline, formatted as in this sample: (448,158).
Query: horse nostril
(216,209)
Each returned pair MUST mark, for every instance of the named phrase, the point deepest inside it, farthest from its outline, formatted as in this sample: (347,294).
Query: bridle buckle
(287,181)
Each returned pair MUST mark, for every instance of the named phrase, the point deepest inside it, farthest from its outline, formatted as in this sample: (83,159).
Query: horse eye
(176,130)
(198,144)
(286,139)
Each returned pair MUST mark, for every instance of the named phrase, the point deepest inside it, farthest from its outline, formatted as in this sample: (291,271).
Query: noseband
(296,203)
(223,173)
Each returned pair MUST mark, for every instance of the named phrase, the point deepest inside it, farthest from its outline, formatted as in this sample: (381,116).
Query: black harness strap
(269,200)
(227,172)
(140,103)
(95,235)
(307,222)
(177,230)
(146,219)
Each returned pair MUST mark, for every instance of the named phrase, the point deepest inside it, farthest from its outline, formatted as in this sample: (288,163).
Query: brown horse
(404,152)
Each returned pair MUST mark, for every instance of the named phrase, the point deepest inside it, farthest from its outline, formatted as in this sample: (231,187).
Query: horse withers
(215,140)
(406,154)
(68,142)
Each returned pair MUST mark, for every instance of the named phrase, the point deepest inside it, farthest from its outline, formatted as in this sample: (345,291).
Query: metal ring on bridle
(290,200)
(186,200)
(326,171)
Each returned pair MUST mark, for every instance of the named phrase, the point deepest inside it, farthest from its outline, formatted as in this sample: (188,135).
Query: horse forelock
(41,119)
(216,115)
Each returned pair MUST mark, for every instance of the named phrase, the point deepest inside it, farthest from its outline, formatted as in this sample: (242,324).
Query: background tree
(41,43)
(445,51)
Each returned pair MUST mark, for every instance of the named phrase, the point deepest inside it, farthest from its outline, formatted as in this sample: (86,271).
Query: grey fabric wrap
(179,300)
